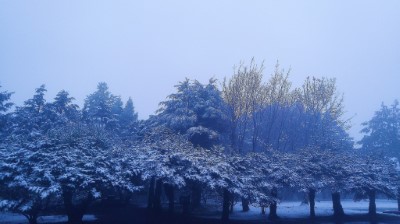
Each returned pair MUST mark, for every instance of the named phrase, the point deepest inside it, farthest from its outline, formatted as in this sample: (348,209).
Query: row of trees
(54,150)
(248,141)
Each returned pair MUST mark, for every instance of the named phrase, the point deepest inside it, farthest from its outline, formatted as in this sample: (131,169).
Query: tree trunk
(185,202)
(262,210)
(124,197)
(32,215)
(196,195)
(32,219)
(255,132)
(169,192)
(254,143)
(398,199)
(231,203)
(398,203)
(157,196)
(372,204)
(305,200)
(337,206)
(225,205)
(75,212)
(311,199)
(273,207)
(75,218)
(272,211)
(233,135)
(150,198)
(245,205)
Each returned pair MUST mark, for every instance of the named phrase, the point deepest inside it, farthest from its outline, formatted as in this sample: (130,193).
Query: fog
(142,49)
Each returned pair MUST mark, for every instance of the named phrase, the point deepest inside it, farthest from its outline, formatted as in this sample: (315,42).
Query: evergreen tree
(173,160)
(382,132)
(37,103)
(98,107)
(32,119)
(107,110)
(128,121)
(197,111)
(27,188)
(5,105)
(63,110)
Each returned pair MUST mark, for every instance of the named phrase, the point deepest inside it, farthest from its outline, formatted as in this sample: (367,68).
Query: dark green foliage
(382,132)
(5,105)
(88,153)
(196,110)
(4,98)
(33,119)
(99,105)
(107,110)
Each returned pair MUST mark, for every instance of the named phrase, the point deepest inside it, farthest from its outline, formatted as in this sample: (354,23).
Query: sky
(143,48)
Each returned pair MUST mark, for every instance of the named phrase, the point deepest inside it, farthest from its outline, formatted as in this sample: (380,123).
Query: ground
(289,212)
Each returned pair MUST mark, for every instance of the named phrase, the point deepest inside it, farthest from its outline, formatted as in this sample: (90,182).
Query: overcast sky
(143,48)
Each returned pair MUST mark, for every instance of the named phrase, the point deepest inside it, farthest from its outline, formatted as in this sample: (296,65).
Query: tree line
(245,140)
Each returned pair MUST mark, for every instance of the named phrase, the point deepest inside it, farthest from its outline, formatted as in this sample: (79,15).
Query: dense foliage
(247,141)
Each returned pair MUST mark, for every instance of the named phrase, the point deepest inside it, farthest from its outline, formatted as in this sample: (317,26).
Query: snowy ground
(289,210)
(12,218)
(322,208)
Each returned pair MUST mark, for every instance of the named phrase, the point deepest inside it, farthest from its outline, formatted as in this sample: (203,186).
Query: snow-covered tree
(107,110)
(262,176)
(372,174)
(36,117)
(244,93)
(382,132)
(197,111)
(310,174)
(27,188)
(396,165)
(338,168)
(166,161)
(5,105)
(171,159)
(100,106)
(37,103)
(63,110)
(85,161)
(31,120)
(317,169)
(4,98)
(128,121)
(74,163)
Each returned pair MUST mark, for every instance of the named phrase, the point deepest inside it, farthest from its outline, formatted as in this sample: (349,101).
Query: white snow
(285,210)
(297,210)
(13,218)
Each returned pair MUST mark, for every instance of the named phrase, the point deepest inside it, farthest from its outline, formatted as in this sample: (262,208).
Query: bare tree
(244,94)
(320,99)
(278,96)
